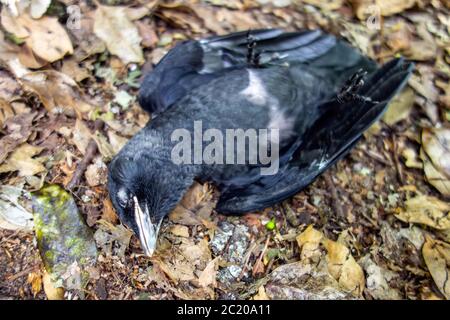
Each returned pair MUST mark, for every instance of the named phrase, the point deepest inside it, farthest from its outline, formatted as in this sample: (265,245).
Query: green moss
(62,236)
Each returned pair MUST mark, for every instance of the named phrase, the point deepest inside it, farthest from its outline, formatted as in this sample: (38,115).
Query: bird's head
(143,191)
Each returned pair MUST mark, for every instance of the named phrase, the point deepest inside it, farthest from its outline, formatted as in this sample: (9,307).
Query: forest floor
(374,226)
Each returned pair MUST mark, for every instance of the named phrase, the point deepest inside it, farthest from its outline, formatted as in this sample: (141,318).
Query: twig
(91,151)
(335,201)
(263,252)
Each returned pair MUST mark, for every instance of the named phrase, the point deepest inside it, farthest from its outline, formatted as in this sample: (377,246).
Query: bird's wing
(330,138)
(191,64)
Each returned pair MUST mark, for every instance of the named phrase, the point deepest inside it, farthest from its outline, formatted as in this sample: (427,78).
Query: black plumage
(320,92)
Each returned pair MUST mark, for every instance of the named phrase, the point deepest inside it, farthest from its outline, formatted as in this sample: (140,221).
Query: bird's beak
(148,232)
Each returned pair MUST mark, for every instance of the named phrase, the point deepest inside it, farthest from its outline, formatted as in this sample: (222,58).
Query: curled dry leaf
(117,142)
(435,154)
(340,263)
(400,107)
(437,257)
(81,136)
(13,216)
(35,280)
(52,291)
(121,36)
(57,92)
(426,210)
(365,8)
(18,130)
(326,5)
(112,239)
(378,279)
(180,231)
(45,36)
(23,161)
(261,295)
(207,277)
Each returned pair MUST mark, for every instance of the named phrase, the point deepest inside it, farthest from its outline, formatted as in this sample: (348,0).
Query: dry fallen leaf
(400,107)
(309,241)
(22,160)
(343,267)
(437,257)
(81,136)
(340,263)
(180,231)
(426,210)
(35,280)
(52,292)
(261,295)
(45,36)
(435,154)
(13,216)
(378,279)
(207,277)
(121,36)
(364,8)
(57,92)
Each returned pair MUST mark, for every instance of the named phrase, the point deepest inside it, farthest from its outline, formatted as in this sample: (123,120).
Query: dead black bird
(318,91)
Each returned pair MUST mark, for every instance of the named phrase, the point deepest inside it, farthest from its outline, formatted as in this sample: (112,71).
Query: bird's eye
(122,198)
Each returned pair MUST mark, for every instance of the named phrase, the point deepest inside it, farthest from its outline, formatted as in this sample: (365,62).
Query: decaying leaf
(378,279)
(65,243)
(400,107)
(81,136)
(365,8)
(304,281)
(117,142)
(261,295)
(57,92)
(426,210)
(35,280)
(339,261)
(435,154)
(13,216)
(121,36)
(23,161)
(52,291)
(208,276)
(195,199)
(437,257)
(327,4)
(180,231)
(113,239)
(45,36)
(18,130)
(343,267)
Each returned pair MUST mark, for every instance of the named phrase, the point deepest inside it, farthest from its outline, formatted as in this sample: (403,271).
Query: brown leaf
(435,154)
(208,276)
(52,292)
(386,7)
(437,257)
(45,36)
(426,210)
(109,214)
(57,92)
(113,26)
(400,107)
(18,130)
(22,160)
(35,280)
(180,231)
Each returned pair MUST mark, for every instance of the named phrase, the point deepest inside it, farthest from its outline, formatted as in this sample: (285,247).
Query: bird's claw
(351,87)
(253,57)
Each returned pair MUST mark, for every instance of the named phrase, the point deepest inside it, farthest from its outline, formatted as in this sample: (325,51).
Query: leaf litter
(350,235)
